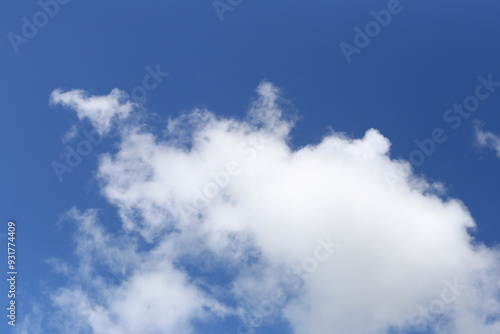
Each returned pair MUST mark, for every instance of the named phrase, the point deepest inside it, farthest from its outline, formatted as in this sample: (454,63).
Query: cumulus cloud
(101,111)
(315,235)
(486,139)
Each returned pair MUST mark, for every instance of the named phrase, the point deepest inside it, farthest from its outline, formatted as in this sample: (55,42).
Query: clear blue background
(425,60)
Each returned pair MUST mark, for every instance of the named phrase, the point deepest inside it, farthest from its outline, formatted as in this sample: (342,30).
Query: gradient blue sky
(426,59)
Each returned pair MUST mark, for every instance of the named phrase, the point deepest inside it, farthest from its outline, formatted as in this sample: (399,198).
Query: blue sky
(283,62)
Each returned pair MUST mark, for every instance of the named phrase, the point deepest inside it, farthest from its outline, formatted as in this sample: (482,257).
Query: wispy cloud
(486,139)
(116,288)
(99,110)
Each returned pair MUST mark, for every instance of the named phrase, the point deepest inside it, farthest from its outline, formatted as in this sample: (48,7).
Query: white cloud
(70,134)
(115,288)
(233,194)
(486,139)
(101,111)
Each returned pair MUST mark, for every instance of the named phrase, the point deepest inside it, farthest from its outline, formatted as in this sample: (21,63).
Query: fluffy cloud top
(316,235)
